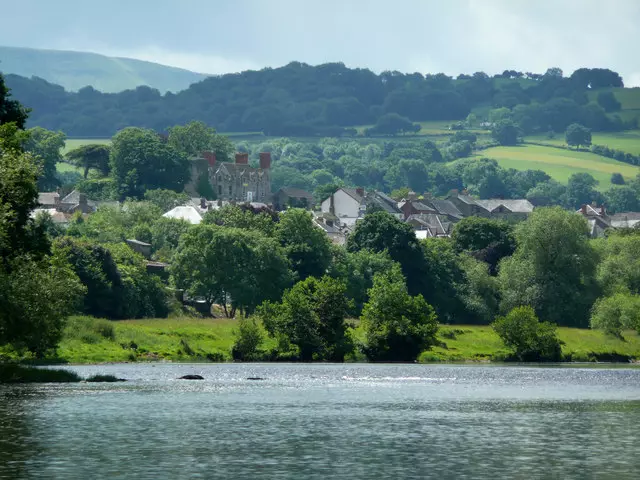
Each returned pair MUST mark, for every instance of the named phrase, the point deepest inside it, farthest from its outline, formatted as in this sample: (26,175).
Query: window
(219,189)
(229,190)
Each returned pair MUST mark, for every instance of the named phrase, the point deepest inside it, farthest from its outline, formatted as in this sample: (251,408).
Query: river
(326,422)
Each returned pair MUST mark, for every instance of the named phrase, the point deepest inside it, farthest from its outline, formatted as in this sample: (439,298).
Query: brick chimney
(242,158)
(210,157)
(203,203)
(583,209)
(603,212)
(360,191)
(265,160)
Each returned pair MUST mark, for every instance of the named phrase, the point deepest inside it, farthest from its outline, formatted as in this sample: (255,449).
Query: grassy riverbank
(88,340)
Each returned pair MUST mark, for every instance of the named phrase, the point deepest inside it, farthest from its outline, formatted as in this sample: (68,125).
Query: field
(72,143)
(628,142)
(559,163)
(87,340)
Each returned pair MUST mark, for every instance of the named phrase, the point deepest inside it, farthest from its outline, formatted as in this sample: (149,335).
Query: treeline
(323,100)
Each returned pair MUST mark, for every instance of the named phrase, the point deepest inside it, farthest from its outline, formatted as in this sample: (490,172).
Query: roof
(48,198)
(421,207)
(438,225)
(590,211)
(185,212)
(625,216)
(238,168)
(446,207)
(137,242)
(295,192)
(73,198)
(466,199)
(56,216)
(515,206)
(352,193)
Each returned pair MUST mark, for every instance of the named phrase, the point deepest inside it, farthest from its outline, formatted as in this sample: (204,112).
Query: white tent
(188,213)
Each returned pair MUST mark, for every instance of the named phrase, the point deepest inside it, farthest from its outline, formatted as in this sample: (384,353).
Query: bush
(615,313)
(398,327)
(617,179)
(11,373)
(528,338)
(90,330)
(249,338)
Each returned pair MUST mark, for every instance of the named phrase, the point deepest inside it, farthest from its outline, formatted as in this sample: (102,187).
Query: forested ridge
(326,100)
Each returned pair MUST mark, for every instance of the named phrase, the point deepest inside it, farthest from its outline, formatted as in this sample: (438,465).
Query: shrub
(11,373)
(615,313)
(398,327)
(617,179)
(528,338)
(90,330)
(249,338)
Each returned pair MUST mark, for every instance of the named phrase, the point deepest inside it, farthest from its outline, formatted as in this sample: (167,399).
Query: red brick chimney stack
(360,191)
(210,157)
(265,160)
(242,158)
(583,209)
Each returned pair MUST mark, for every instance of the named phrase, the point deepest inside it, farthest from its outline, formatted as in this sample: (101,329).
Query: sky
(426,36)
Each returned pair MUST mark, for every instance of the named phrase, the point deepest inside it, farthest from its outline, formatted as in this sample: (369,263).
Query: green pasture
(628,97)
(628,141)
(560,164)
(71,143)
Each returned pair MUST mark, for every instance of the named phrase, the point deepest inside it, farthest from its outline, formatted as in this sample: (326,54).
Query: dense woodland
(326,100)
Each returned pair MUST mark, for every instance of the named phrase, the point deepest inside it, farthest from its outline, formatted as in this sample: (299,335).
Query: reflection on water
(322,421)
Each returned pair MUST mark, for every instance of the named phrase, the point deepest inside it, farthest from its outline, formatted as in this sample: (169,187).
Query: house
(381,201)
(76,202)
(597,219)
(142,248)
(435,225)
(414,207)
(336,232)
(445,208)
(346,204)
(517,209)
(235,182)
(185,212)
(48,199)
(625,220)
(292,197)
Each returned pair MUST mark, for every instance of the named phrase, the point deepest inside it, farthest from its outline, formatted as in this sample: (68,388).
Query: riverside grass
(187,339)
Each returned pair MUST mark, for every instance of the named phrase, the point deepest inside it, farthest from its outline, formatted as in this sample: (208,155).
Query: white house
(347,204)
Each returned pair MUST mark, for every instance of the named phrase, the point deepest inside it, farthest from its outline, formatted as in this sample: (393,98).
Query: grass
(89,340)
(72,143)
(12,373)
(558,163)
(628,141)
(629,98)
(480,343)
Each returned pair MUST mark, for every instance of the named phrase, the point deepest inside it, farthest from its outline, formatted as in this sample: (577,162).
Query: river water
(326,421)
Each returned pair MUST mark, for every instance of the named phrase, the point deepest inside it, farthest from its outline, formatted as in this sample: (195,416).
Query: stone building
(233,182)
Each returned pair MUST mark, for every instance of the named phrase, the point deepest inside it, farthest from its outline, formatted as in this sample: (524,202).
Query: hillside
(74,70)
(328,100)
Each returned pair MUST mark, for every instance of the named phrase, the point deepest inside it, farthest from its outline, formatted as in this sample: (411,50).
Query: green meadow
(71,143)
(559,163)
(628,142)
(89,340)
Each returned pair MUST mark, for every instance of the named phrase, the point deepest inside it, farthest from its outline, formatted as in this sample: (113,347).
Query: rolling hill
(74,70)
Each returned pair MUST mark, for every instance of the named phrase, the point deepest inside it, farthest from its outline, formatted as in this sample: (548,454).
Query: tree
(486,239)
(553,268)
(398,327)
(622,199)
(311,317)
(249,339)
(11,111)
(609,102)
(90,156)
(616,312)
(379,232)
(306,245)
(140,160)
(230,266)
(244,217)
(393,124)
(165,199)
(619,269)
(46,146)
(505,132)
(528,338)
(196,137)
(617,179)
(581,190)
(577,135)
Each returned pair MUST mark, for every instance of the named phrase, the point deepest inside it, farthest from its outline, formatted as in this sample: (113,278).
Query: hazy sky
(427,36)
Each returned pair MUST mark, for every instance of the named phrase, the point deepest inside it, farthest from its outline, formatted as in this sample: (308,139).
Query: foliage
(619,269)
(617,179)
(528,338)
(393,124)
(306,246)
(244,217)
(311,317)
(553,268)
(581,190)
(11,111)
(249,339)
(577,135)
(622,199)
(609,102)
(230,266)
(165,199)
(141,160)
(398,327)
(616,312)
(505,132)
(11,373)
(46,146)
(89,156)
(486,239)
(196,137)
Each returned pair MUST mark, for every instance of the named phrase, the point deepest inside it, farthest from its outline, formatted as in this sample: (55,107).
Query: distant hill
(74,70)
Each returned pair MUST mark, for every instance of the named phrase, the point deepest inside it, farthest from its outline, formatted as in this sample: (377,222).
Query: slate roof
(295,192)
(446,207)
(515,206)
(353,194)
(625,219)
(48,198)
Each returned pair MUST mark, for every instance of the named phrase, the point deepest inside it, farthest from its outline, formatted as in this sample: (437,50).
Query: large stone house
(350,204)
(517,209)
(233,182)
